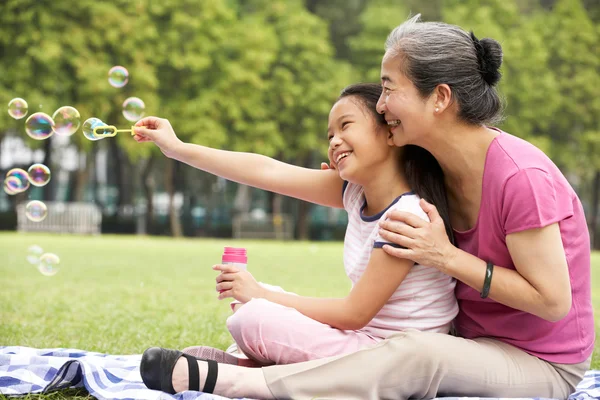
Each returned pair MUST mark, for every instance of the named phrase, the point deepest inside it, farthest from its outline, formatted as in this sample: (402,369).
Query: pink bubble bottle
(236,256)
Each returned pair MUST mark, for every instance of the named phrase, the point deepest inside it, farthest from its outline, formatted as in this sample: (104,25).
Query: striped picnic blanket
(27,370)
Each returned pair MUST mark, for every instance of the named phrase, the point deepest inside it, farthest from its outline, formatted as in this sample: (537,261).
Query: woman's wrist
(449,260)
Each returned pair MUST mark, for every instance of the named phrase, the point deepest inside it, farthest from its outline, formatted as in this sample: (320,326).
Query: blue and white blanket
(27,370)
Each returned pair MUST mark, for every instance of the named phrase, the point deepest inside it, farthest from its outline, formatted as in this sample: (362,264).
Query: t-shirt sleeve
(351,194)
(532,200)
(409,204)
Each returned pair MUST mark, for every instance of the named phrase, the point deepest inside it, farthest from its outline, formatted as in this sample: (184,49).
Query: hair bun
(489,57)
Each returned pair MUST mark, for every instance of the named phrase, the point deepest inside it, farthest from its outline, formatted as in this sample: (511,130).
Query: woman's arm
(540,285)
(381,278)
(316,186)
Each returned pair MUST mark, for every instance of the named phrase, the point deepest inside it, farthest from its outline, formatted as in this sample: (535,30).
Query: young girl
(371,177)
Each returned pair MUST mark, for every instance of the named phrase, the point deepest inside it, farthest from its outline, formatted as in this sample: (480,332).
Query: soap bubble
(39,175)
(10,183)
(33,254)
(118,76)
(39,126)
(36,211)
(17,108)
(133,109)
(66,121)
(88,128)
(48,265)
(17,180)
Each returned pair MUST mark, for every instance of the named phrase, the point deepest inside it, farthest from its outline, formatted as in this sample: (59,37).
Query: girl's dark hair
(422,171)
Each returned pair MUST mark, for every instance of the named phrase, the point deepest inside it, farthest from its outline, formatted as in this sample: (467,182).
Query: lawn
(122,294)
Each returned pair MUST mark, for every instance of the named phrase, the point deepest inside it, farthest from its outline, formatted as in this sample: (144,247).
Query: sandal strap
(211,377)
(193,373)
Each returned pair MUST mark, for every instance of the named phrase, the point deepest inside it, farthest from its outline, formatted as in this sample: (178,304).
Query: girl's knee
(250,317)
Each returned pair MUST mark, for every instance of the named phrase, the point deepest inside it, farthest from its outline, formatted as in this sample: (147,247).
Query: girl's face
(409,116)
(357,143)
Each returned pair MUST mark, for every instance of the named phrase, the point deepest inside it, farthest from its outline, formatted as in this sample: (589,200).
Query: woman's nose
(380,107)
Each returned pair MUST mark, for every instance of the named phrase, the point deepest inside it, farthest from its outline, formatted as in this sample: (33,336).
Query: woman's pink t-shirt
(523,189)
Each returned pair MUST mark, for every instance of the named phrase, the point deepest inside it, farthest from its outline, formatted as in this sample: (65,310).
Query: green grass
(122,294)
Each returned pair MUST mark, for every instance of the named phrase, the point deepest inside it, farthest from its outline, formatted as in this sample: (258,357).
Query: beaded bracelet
(488,280)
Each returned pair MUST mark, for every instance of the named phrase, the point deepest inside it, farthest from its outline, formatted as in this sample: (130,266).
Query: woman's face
(409,116)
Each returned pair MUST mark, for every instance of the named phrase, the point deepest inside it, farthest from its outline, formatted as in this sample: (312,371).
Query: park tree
(572,40)
(56,54)
(377,21)
(304,81)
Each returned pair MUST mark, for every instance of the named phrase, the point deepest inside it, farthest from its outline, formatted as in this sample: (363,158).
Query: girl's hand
(238,284)
(159,131)
(425,243)
(325,166)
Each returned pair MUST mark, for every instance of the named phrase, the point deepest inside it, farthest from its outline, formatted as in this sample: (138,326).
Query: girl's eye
(344,124)
(329,138)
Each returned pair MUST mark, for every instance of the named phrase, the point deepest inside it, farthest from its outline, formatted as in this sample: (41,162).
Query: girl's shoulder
(409,202)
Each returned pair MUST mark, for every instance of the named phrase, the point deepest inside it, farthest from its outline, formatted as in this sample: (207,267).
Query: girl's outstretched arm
(322,187)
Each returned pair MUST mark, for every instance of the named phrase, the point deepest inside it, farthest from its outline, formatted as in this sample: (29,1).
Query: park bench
(82,218)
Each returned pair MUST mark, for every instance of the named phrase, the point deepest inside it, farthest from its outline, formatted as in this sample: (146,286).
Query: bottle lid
(234,255)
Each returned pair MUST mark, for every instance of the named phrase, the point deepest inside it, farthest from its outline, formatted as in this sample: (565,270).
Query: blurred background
(261,76)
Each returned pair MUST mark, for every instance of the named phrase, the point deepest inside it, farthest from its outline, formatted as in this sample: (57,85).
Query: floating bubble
(133,109)
(33,254)
(66,121)
(118,76)
(39,175)
(36,211)
(88,128)
(39,126)
(48,264)
(17,180)
(17,108)
(9,184)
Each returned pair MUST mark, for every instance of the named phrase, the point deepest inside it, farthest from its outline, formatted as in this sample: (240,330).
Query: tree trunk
(595,238)
(303,226)
(85,165)
(115,170)
(148,189)
(71,184)
(243,197)
(47,191)
(174,222)
(93,160)
(121,172)
(210,206)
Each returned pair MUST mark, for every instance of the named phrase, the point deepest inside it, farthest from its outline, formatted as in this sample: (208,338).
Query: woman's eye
(329,138)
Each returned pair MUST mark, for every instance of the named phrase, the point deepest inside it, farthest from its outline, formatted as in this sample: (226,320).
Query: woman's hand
(425,243)
(159,131)
(238,284)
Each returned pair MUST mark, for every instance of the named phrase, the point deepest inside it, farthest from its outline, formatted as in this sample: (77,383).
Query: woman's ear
(442,98)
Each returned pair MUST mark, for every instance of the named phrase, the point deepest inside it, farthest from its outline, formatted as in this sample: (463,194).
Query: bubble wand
(103,131)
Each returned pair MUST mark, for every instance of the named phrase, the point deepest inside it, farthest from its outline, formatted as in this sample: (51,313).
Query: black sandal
(156,369)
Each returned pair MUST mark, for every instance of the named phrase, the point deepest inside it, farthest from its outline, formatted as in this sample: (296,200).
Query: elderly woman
(522,256)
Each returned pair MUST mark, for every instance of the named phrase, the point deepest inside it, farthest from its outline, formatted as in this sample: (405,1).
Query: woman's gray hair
(434,53)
